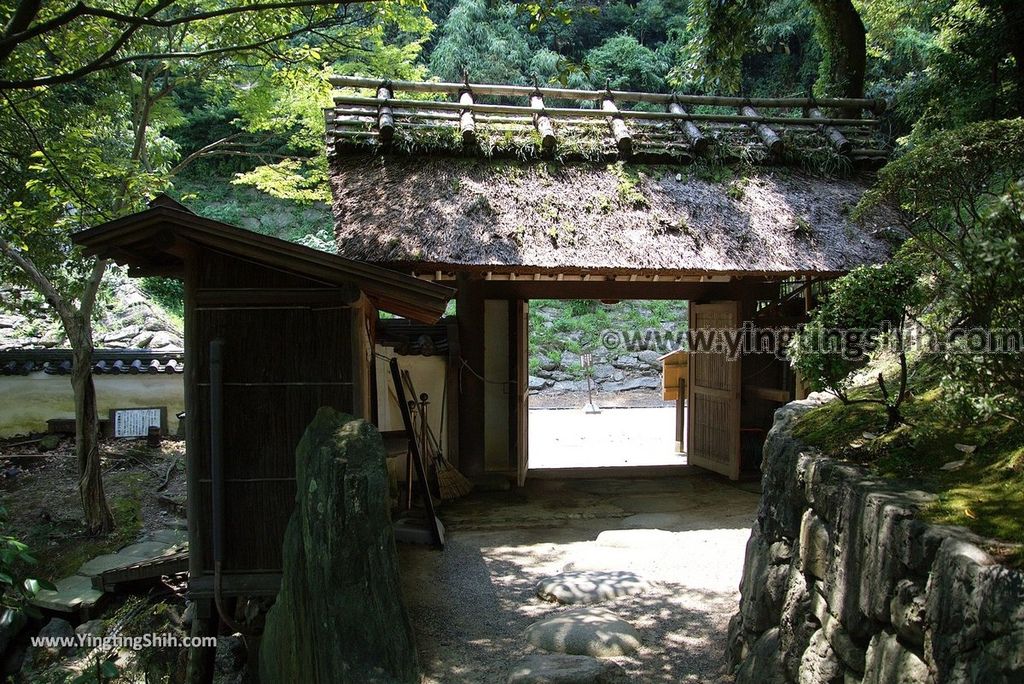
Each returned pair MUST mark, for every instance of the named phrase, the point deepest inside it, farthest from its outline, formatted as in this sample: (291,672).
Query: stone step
(584,631)
(591,586)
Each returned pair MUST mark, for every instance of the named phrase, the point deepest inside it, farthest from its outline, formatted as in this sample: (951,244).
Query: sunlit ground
(571,438)
(471,603)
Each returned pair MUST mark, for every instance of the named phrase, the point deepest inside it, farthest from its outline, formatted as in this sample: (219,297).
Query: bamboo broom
(451,484)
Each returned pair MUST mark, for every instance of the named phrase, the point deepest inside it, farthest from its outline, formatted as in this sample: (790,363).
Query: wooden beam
(693,134)
(769,137)
(623,140)
(466,124)
(562,112)
(835,137)
(875,105)
(542,123)
(385,117)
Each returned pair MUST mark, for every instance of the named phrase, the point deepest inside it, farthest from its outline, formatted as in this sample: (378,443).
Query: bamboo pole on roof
(833,134)
(482,89)
(466,124)
(697,139)
(769,137)
(623,140)
(542,123)
(385,118)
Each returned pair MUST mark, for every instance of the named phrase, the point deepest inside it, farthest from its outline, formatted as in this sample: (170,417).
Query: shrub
(959,195)
(863,309)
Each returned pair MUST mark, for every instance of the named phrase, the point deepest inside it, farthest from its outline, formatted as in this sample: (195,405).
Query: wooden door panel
(714,394)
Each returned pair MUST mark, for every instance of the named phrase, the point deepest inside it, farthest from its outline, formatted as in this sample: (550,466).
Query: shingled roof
(462,184)
(105,362)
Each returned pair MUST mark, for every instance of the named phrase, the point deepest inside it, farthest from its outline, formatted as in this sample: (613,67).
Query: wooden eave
(446,272)
(157,241)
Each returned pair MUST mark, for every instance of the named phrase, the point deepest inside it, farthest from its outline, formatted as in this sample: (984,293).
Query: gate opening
(604,384)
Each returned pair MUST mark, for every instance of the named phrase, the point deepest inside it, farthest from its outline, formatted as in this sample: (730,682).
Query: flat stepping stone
(591,586)
(170,536)
(565,669)
(148,549)
(73,593)
(107,561)
(585,631)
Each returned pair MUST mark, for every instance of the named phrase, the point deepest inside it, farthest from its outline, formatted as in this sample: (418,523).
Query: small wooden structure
(273,331)
(675,369)
(545,200)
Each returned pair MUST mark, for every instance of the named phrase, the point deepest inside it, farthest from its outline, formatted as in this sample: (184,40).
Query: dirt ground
(615,437)
(649,398)
(39,492)
(471,603)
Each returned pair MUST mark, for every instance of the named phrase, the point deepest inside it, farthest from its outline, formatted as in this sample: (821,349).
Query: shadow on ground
(471,603)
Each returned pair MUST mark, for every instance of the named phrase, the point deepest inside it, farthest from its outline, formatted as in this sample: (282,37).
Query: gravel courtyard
(471,603)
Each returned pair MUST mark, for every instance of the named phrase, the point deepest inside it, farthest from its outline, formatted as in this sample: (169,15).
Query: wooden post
(385,117)
(693,134)
(769,137)
(470,318)
(623,140)
(681,416)
(837,139)
(466,123)
(542,123)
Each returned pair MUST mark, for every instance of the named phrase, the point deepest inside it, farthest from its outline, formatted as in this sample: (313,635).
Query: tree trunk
(90,481)
(844,39)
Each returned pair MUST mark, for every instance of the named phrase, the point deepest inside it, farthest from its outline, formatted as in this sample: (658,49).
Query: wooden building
(273,331)
(512,193)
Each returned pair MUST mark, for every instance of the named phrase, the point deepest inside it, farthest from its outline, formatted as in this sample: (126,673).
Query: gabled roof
(150,242)
(545,182)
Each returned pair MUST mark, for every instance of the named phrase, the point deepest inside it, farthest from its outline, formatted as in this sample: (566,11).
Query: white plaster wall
(28,401)
(427,373)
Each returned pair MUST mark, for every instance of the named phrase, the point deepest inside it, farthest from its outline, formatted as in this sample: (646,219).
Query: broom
(451,484)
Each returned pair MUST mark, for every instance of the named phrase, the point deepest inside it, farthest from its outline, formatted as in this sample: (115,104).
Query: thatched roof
(441,213)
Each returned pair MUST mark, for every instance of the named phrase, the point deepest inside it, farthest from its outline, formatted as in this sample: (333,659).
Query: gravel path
(471,603)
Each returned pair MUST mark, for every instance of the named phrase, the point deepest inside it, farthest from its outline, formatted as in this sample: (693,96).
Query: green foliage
(16,587)
(960,197)
(488,39)
(622,63)
(967,66)
(167,292)
(863,309)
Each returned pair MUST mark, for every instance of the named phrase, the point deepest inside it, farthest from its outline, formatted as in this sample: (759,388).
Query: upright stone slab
(339,616)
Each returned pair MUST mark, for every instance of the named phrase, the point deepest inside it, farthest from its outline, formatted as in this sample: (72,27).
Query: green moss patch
(984,494)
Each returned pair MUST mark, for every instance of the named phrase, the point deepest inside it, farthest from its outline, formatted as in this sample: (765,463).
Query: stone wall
(844,584)
(612,372)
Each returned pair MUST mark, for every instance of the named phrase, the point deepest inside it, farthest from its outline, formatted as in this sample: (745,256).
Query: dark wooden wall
(291,345)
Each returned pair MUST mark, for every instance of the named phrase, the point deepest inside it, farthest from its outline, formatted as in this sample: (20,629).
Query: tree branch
(42,283)
(106,61)
(92,286)
(136,21)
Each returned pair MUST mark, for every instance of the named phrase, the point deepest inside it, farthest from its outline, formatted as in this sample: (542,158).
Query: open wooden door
(714,391)
(523,389)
